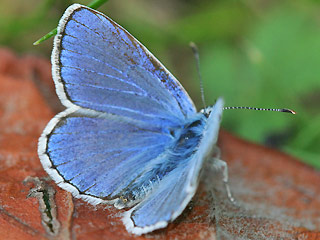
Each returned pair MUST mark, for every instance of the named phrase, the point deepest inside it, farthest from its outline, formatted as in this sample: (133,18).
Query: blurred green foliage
(252,52)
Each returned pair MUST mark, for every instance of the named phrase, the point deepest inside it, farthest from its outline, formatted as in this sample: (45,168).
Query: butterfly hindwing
(95,157)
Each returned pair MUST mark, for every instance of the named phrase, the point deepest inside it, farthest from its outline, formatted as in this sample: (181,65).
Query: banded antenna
(263,109)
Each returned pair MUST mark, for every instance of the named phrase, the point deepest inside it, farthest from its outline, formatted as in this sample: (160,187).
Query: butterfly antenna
(196,56)
(263,109)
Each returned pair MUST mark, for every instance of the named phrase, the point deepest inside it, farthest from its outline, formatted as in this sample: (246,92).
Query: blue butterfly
(130,135)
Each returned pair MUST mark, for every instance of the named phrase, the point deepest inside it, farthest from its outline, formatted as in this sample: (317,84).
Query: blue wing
(98,65)
(122,105)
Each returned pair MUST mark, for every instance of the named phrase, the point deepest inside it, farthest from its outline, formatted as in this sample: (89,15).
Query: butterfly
(130,135)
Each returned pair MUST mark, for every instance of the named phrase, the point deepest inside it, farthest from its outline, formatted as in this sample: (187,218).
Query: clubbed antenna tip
(288,110)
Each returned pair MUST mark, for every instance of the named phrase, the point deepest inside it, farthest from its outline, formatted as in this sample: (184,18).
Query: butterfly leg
(220,165)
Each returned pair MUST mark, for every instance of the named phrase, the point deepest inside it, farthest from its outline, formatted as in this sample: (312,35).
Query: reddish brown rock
(277,196)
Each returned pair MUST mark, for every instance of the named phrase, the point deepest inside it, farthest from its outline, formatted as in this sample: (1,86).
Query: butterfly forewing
(99,65)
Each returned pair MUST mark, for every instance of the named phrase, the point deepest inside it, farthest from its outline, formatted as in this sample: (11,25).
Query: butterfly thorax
(185,143)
